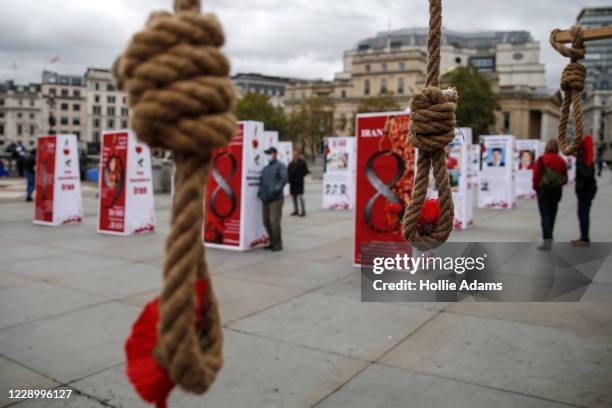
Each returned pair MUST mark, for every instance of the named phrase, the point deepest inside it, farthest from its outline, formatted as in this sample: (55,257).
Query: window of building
(64,106)
(20,102)
(343,93)
(384,67)
(78,135)
(97,110)
(1,102)
(124,124)
(506,121)
(94,136)
(32,102)
(97,98)
(97,86)
(1,114)
(31,116)
(64,120)
(110,99)
(400,85)
(19,115)
(32,129)
(96,123)
(366,87)
(76,92)
(110,87)
(1,129)
(402,66)
(110,111)
(76,121)
(19,130)
(52,91)
(65,92)
(125,112)
(76,107)
(111,123)
(124,100)
(368,68)
(383,86)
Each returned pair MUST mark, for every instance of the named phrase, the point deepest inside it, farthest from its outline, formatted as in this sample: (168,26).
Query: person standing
(29,167)
(19,156)
(586,188)
(298,169)
(549,177)
(273,179)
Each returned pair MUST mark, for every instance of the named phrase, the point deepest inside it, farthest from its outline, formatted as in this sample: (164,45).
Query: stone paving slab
(388,387)
(72,345)
(336,324)
(16,377)
(257,372)
(115,282)
(33,301)
(9,280)
(64,264)
(550,363)
(291,272)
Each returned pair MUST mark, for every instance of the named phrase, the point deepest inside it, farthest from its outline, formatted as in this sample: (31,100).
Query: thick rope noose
(432,128)
(181,98)
(572,84)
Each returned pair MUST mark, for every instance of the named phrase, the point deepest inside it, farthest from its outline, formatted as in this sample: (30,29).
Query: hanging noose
(432,128)
(181,100)
(572,84)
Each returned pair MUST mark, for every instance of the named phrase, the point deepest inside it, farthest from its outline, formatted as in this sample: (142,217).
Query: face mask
(268,157)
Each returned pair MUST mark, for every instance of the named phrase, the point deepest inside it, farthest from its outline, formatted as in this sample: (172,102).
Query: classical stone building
(394,63)
(20,114)
(271,86)
(107,107)
(63,103)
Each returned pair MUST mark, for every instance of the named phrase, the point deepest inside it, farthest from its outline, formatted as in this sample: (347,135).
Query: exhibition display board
(496,179)
(285,155)
(125,199)
(58,181)
(384,178)
(458,166)
(526,152)
(474,165)
(339,177)
(233,212)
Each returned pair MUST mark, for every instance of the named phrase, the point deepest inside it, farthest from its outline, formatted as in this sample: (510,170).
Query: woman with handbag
(549,177)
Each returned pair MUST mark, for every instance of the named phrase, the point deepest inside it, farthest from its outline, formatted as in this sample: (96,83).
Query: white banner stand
(526,152)
(58,181)
(285,155)
(125,199)
(339,177)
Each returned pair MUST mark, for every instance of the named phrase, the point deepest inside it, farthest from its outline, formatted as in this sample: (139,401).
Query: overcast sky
(298,38)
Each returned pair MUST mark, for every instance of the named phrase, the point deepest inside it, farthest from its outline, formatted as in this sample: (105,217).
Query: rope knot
(177,82)
(572,84)
(432,121)
(573,77)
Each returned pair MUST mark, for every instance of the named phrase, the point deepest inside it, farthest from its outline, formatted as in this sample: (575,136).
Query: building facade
(394,63)
(271,86)
(107,107)
(63,103)
(20,114)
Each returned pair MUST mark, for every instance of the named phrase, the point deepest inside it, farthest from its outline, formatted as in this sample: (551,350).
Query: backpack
(551,180)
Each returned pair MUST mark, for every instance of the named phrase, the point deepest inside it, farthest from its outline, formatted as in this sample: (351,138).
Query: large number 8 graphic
(223,185)
(382,189)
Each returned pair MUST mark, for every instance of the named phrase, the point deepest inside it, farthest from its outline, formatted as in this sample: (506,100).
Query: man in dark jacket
(298,169)
(273,179)
(29,166)
(586,188)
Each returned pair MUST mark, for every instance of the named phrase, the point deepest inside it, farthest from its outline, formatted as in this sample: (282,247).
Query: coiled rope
(432,128)
(181,100)
(572,84)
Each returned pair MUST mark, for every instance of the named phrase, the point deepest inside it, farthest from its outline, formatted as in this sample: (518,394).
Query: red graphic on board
(113,171)
(384,179)
(223,193)
(45,177)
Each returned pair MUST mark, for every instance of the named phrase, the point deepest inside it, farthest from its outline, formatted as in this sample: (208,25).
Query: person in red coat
(586,188)
(549,177)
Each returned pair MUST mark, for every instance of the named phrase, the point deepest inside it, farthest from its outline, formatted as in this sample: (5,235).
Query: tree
(380,103)
(254,106)
(309,123)
(477,101)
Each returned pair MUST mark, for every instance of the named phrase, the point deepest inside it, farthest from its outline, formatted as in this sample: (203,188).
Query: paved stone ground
(296,333)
